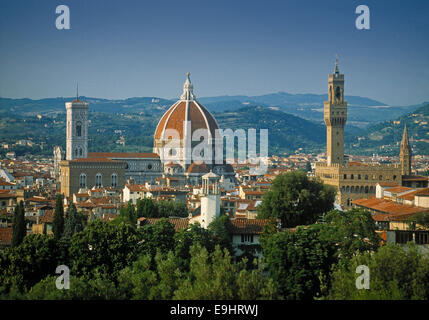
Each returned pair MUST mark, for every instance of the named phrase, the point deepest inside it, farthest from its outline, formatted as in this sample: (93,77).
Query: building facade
(353,180)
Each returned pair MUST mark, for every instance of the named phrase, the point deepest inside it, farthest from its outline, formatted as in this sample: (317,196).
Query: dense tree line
(314,257)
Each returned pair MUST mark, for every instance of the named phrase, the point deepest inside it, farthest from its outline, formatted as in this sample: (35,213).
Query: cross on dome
(188,89)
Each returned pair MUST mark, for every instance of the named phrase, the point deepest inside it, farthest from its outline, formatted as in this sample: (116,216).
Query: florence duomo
(214,155)
(84,170)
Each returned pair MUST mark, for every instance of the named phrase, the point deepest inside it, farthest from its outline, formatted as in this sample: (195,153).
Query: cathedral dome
(186,109)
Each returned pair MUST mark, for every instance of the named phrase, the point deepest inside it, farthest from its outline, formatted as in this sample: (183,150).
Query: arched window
(359,177)
(80,151)
(78,129)
(76,152)
(366,177)
(380,177)
(366,189)
(352,176)
(82,180)
(348,189)
(114,180)
(352,189)
(98,180)
(394,177)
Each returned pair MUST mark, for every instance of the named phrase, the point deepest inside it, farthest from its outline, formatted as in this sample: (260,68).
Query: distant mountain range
(361,113)
(294,121)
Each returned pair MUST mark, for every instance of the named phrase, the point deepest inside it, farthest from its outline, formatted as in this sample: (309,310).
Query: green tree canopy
(73,222)
(147,208)
(19,229)
(299,262)
(296,200)
(58,222)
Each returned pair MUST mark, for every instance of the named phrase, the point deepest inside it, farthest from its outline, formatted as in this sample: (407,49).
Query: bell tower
(77,129)
(335,115)
(405,154)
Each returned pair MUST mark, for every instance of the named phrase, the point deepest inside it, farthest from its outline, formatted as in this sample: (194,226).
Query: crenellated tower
(335,115)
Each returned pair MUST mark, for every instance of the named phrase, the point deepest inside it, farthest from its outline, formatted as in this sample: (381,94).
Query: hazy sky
(127,48)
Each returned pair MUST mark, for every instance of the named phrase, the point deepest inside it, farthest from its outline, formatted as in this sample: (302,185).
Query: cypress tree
(18,225)
(72,223)
(58,223)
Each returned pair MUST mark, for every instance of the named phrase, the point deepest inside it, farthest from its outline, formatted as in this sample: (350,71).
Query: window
(76,152)
(345,177)
(366,177)
(98,180)
(79,129)
(380,177)
(394,177)
(82,180)
(359,177)
(247,238)
(352,176)
(114,180)
(80,151)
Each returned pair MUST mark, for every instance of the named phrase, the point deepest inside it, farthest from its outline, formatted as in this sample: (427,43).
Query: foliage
(102,248)
(396,272)
(221,229)
(296,200)
(24,265)
(19,229)
(58,222)
(157,236)
(171,209)
(299,262)
(147,208)
(352,231)
(420,220)
(215,276)
(73,222)
(127,215)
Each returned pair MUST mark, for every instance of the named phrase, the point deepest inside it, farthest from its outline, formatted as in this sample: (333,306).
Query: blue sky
(120,49)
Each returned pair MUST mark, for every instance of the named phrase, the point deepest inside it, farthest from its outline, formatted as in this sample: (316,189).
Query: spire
(405,142)
(188,89)
(77,91)
(336,70)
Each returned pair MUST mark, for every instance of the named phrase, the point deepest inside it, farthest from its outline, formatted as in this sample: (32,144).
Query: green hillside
(385,137)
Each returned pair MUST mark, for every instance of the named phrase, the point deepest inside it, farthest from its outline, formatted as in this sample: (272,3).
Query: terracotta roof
(399,189)
(198,168)
(48,217)
(179,223)
(387,206)
(171,164)
(122,155)
(136,187)
(248,226)
(182,111)
(422,192)
(5,236)
(94,160)
(388,184)
(5,183)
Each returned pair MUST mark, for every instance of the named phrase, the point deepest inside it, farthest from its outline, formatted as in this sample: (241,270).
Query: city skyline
(132,49)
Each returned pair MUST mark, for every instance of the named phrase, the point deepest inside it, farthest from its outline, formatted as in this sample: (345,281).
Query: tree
(299,262)
(127,215)
(396,272)
(102,248)
(158,236)
(352,231)
(186,238)
(215,276)
(296,200)
(221,229)
(58,223)
(171,209)
(19,230)
(73,222)
(147,208)
(23,266)
(420,220)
